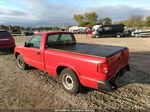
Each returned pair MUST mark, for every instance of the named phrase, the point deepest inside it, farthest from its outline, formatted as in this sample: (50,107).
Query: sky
(60,12)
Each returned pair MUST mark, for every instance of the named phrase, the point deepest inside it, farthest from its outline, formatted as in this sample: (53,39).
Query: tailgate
(117,62)
(5,41)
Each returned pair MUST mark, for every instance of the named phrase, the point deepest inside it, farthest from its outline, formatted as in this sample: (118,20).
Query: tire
(20,62)
(69,81)
(11,50)
(96,36)
(118,35)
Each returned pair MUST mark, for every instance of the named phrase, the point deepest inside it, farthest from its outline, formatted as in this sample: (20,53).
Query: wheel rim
(118,36)
(67,81)
(20,63)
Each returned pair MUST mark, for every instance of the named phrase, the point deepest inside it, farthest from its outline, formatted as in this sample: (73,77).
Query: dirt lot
(34,89)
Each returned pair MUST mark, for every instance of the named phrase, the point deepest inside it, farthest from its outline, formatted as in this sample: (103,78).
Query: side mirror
(28,45)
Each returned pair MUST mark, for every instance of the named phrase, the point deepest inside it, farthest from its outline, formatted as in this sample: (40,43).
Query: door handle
(38,53)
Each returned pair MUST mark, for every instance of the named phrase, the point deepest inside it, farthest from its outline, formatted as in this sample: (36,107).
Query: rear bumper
(111,84)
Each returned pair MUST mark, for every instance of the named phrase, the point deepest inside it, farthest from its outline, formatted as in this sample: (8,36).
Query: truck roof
(53,33)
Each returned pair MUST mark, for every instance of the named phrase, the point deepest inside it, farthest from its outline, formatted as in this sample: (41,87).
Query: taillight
(102,68)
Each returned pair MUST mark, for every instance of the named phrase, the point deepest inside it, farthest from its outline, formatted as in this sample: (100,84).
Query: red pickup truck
(76,64)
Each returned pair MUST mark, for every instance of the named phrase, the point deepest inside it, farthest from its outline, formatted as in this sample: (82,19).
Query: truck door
(32,54)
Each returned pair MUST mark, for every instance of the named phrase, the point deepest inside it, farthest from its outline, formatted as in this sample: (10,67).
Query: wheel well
(118,33)
(17,54)
(60,68)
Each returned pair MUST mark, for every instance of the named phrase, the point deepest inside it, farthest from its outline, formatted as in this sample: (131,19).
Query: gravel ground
(35,89)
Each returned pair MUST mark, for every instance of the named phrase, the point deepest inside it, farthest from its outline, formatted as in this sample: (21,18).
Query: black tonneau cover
(93,49)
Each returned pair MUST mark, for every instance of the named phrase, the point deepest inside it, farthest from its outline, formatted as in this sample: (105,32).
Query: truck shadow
(6,52)
(140,69)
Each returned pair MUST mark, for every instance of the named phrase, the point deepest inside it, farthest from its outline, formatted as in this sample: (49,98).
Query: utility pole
(9,28)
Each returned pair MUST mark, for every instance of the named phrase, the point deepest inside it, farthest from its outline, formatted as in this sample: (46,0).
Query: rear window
(65,38)
(52,39)
(59,39)
(4,34)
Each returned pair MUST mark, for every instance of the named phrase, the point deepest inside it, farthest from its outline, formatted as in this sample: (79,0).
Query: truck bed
(105,51)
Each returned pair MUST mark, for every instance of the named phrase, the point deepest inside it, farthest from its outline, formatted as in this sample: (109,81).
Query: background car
(116,30)
(6,41)
(89,31)
(28,33)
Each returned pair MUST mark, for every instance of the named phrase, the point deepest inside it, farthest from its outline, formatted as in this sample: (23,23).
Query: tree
(87,19)
(28,28)
(106,21)
(79,18)
(91,17)
(90,25)
(132,21)
(16,27)
(84,24)
(2,27)
(55,28)
(147,21)
(125,22)
(136,20)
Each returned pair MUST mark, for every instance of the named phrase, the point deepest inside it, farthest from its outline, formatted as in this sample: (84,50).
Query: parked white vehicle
(82,30)
(76,29)
(96,27)
(141,33)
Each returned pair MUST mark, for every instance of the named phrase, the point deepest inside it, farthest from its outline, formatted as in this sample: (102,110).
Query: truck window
(107,28)
(52,40)
(65,38)
(100,29)
(35,41)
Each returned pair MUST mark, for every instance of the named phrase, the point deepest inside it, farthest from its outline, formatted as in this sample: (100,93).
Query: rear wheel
(118,35)
(69,81)
(20,62)
(11,50)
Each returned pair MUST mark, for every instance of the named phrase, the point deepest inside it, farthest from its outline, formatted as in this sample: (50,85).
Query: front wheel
(20,62)
(69,81)
(96,36)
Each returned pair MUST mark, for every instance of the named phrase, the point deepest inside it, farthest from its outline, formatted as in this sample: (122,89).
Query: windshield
(4,34)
